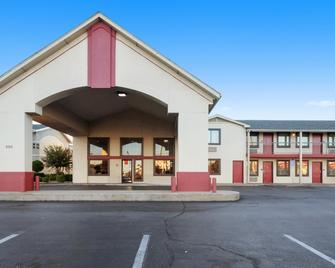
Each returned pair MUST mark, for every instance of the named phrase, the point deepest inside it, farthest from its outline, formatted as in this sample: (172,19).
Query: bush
(52,177)
(38,166)
(45,179)
(68,177)
(60,178)
(58,158)
(40,174)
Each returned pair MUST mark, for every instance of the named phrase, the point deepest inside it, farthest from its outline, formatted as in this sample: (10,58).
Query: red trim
(193,182)
(16,181)
(101,56)
(282,156)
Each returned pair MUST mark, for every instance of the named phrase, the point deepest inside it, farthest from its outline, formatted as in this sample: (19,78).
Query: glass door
(127,171)
(138,168)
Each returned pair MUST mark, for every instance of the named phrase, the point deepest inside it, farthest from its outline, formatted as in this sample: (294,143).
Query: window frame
(289,168)
(286,134)
(98,155)
(296,168)
(328,173)
(164,175)
(254,134)
(164,156)
(331,134)
(215,129)
(297,135)
(131,155)
(219,173)
(257,174)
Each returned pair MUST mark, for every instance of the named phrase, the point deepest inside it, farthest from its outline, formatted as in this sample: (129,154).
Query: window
(254,140)
(214,136)
(131,146)
(331,140)
(164,167)
(98,168)
(214,166)
(36,145)
(305,140)
(283,168)
(305,168)
(98,146)
(164,147)
(254,168)
(283,140)
(331,168)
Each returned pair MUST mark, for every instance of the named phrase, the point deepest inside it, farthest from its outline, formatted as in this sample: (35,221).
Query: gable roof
(228,120)
(82,28)
(290,125)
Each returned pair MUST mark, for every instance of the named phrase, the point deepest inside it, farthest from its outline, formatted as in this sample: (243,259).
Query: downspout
(300,157)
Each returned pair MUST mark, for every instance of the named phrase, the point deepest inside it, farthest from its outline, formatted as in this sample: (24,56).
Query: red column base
(16,181)
(193,182)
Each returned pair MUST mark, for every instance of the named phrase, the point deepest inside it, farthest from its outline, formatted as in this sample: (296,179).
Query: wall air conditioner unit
(212,149)
(253,150)
(331,151)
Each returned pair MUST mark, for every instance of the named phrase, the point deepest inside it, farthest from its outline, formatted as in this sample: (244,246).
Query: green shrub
(60,178)
(45,179)
(38,166)
(40,174)
(52,177)
(68,177)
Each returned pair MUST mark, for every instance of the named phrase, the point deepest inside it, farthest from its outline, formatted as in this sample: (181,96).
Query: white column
(80,163)
(15,142)
(192,142)
(300,157)
(248,156)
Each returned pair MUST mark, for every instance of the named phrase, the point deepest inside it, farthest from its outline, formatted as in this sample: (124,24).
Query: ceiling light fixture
(121,94)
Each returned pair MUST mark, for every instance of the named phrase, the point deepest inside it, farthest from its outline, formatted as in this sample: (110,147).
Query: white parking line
(139,259)
(316,252)
(3,240)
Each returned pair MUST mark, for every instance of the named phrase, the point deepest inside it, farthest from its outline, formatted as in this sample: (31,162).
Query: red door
(317,143)
(267,172)
(317,172)
(267,143)
(237,171)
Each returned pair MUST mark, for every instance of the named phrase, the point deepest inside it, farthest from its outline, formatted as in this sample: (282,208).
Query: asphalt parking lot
(248,233)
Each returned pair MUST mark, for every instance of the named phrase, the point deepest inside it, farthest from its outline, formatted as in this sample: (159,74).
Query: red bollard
(37,183)
(173,184)
(214,185)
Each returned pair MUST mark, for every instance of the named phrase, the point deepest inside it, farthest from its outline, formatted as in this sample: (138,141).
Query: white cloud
(322,103)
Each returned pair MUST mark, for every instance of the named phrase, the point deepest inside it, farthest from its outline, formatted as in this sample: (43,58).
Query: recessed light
(121,94)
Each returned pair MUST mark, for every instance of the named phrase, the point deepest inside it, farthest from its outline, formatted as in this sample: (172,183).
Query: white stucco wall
(232,147)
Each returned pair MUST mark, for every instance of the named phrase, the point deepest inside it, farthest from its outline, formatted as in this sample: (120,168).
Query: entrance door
(132,170)
(317,143)
(237,171)
(317,172)
(267,172)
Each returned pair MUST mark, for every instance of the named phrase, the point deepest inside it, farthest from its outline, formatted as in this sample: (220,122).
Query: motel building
(136,117)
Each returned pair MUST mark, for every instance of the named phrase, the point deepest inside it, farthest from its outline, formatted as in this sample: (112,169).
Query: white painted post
(300,157)
(248,156)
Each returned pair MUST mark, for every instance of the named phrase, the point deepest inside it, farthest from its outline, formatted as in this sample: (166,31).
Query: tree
(57,157)
(37,166)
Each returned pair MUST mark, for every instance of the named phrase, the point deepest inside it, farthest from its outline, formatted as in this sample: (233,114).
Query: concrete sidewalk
(102,195)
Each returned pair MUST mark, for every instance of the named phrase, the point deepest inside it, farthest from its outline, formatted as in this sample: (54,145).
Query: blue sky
(269,59)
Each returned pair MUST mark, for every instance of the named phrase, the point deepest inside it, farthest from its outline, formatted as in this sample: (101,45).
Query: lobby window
(254,168)
(305,140)
(214,166)
(214,136)
(164,147)
(283,140)
(305,168)
(98,168)
(164,167)
(254,140)
(131,146)
(283,168)
(331,140)
(98,146)
(331,168)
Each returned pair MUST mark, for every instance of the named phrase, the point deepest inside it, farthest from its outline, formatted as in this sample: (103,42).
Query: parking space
(248,233)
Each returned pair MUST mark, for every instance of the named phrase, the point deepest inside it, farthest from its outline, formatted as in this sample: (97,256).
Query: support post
(248,156)
(300,157)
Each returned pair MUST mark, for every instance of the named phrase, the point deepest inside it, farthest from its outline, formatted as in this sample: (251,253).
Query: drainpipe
(300,157)
(248,155)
